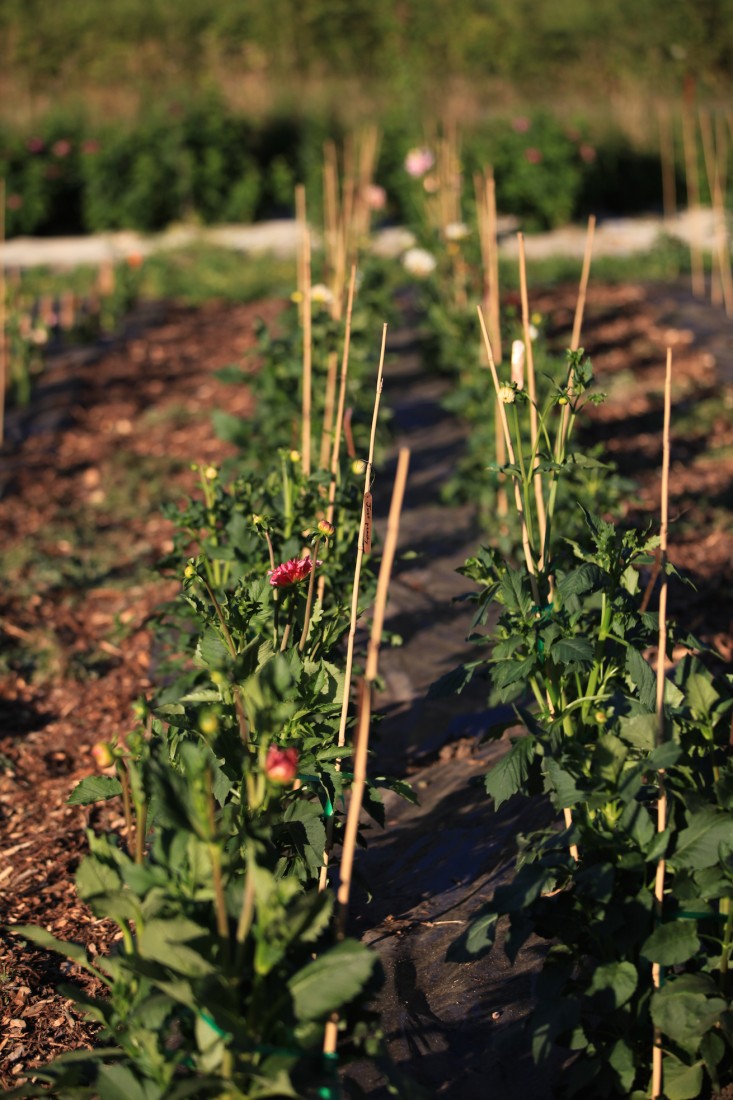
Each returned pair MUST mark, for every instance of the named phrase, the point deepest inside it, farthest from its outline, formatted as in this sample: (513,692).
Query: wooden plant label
(367,523)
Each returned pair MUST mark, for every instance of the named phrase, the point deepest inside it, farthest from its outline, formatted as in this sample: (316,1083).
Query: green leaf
(698,845)
(507,777)
(640,731)
(612,985)
(643,677)
(332,980)
(453,682)
(165,942)
(681,1082)
(76,952)
(572,651)
(685,1016)
(672,943)
(94,788)
(699,693)
(586,577)
(561,784)
(120,1083)
(476,941)
(212,650)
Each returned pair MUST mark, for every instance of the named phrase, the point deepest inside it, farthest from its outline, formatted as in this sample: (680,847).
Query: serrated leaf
(561,785)
(94,788)
(332,980)
(453,682)
(640,730)
(698,845)
(509,774)
(569,651)
(643,677)
(580,580)
(672,943)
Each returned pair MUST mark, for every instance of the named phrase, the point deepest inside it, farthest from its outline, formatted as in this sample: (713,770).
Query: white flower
(321,294)
(506,394)
(518,363)
(533,333)
(456,231)
(419,262)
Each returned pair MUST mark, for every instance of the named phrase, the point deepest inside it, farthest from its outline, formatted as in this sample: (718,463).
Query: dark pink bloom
(534,156)
(61,148)
(90,147)
(291,572)
(520,124)
(587,153)
(15,202)
(572,134)
(35,145)
(281,765)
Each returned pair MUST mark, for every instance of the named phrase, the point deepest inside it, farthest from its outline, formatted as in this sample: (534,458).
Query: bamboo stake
(301,220)
(510,450)
(495,303)
(532,391)
(362,734)
(657,1054)
(336,446)
(361,549)
(711,172)
(307,395)
(666,154)
(583,289)
(3,358)
(692,182)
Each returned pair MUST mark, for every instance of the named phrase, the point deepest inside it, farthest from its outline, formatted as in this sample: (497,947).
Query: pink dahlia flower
(291,572)
(281,765)
(418,162)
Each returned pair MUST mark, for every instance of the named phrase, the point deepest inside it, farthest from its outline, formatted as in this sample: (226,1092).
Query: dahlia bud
(209,723)
(104,754)
(326,528)
(281,765)
(506,394)
(295,456)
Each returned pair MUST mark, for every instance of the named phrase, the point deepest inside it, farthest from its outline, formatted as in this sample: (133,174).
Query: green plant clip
(542,615)
(211,1022)
(326,802)
(331,1091)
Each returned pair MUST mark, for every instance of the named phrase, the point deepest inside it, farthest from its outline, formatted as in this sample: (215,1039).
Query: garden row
(241,787)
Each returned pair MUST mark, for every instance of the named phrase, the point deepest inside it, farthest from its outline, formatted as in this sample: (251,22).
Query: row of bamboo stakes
(346,218)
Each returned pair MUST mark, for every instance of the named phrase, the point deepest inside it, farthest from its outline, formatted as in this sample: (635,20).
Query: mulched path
(80,514)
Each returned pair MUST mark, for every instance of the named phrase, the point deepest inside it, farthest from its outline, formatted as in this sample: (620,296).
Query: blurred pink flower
(35,145)
(281,765)
(61,148)
(418,162)
(291,572)
(572,134)
(533,156)
(520,124)
(587,153)
(15,202)
(375,197)
(90,147)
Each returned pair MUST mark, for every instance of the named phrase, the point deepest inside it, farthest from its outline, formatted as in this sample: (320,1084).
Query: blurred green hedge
(202,161)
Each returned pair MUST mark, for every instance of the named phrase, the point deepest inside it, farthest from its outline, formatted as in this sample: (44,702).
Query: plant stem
(309,598)
(220,905)
(124,779)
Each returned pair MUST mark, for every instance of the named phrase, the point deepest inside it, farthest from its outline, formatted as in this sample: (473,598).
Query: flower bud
(209,723)
(211,473)
(104,754)
(295,456)
(326,528)
(506,394)
(281,765)
(358,466)
(190,571)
